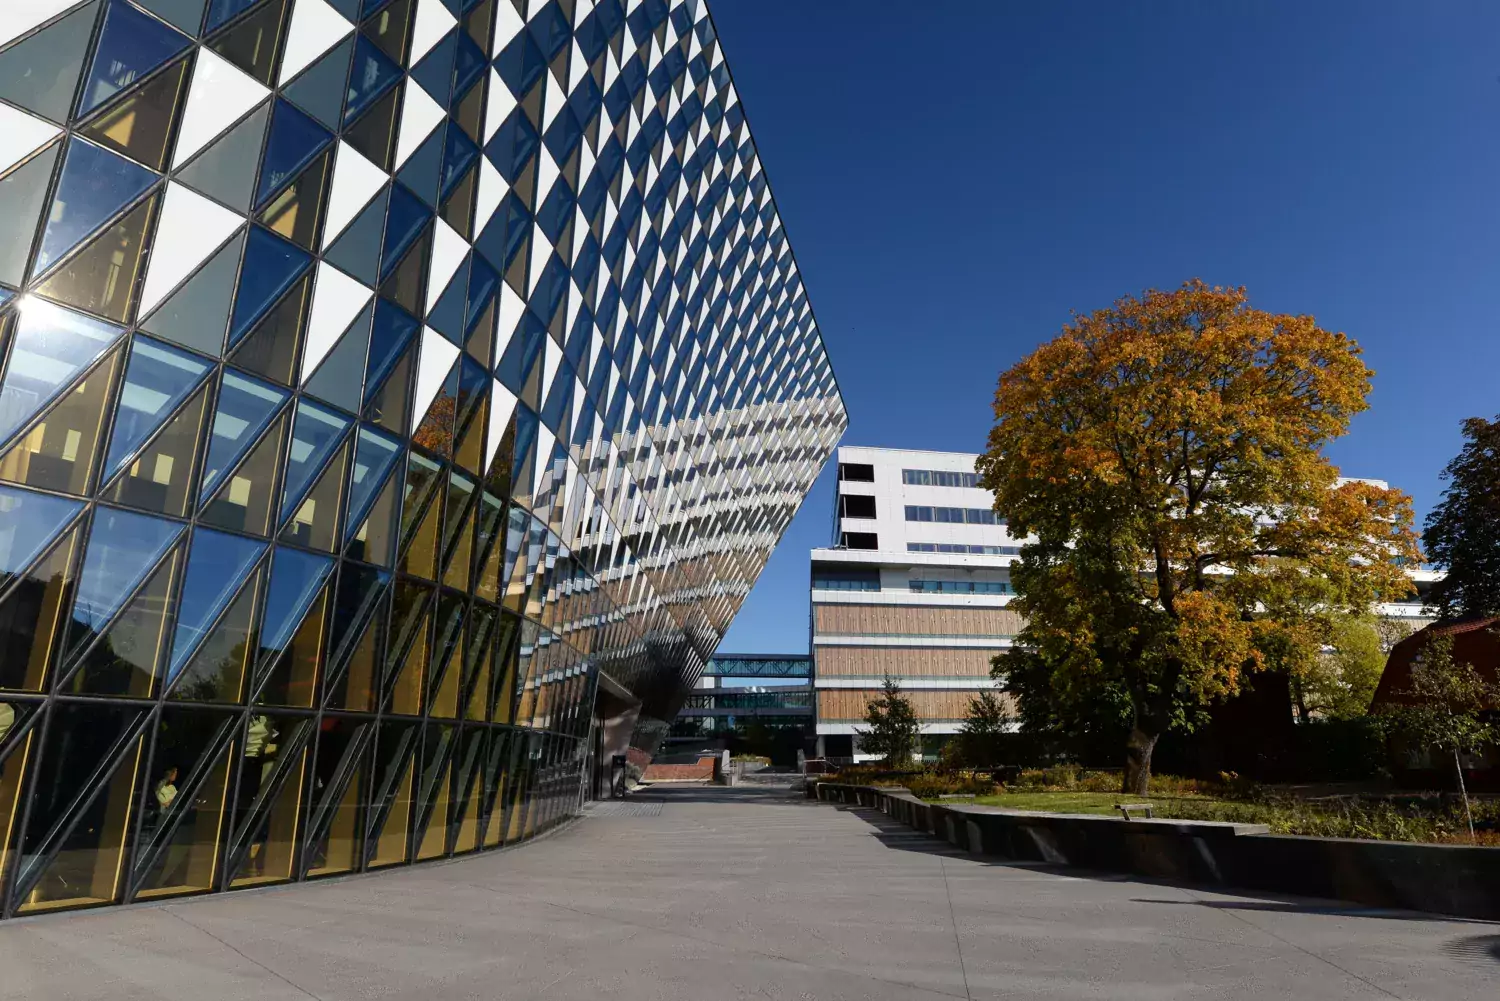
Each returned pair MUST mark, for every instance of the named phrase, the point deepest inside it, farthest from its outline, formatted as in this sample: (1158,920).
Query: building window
(857,472)
(845,579)
(960,548)
(917,513)
(953,515)
(920,586)
(859,540)
(938,478)
(856,506)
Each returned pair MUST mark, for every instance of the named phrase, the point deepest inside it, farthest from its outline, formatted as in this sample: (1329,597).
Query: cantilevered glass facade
(381,380)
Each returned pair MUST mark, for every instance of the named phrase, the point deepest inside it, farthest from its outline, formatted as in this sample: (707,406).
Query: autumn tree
(1167,456)
(1462,534)
(1340,681)
(893,728)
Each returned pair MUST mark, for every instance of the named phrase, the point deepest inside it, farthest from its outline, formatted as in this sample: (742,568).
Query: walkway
(704,894)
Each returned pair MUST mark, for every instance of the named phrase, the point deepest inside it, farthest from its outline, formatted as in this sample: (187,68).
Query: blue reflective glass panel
(51,345)
(246,406)
(131,45)
(314,435)
(157,379)
(373,74)
(217,565)
(373,458)
(295,139)
(28,523)
(295,579)
(271,265)
(95,184)
(123,548)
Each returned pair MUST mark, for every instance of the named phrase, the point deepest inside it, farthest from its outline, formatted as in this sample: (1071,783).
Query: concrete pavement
(702,894)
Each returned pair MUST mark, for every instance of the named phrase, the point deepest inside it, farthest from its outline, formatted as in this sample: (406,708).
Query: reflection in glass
(268,799)
(157,379)
(31,613)
(314,435)
(245,408)
(140,123)
(395,770)
(217,565)
(338,781)
(95,184)
(182,803)
(216,673)
(296,211)
(315,524)
(15,747)
(58,452)
(124,660)
(432,819)
(160,478)
(101,277)
(81,803)
(51,345)
(123,549)
(245,502)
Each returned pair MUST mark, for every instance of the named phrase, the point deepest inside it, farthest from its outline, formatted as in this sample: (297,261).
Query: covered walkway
(703,894)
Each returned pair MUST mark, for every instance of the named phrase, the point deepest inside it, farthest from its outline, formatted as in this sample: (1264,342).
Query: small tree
(893,728)
(1448,703)
(979,736)
(1462,534)
(1339,678)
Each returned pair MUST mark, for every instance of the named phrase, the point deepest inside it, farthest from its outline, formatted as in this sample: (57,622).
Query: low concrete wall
(1441,879)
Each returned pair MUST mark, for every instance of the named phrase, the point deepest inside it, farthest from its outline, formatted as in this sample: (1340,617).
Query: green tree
(1462,534)
(979,736)
(893,728)
(1168,456)
(1445,709)
(1342,680)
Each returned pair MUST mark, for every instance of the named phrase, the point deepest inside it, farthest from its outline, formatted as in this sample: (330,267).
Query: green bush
(934,784)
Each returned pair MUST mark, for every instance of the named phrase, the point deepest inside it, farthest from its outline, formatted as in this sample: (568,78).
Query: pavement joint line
(958,944)
(252,961)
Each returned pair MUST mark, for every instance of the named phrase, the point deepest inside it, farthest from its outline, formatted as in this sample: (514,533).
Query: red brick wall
(704,769)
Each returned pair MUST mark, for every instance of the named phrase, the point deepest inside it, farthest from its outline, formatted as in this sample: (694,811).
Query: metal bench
(1132,810)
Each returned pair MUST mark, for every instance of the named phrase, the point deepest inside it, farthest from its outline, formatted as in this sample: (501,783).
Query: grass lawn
(1081,802)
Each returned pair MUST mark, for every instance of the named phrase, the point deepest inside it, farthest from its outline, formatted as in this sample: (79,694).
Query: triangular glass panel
(420,557)
(103,744)
(196,315)
(432,823)
(123,548)
(407,217)
(404,285)
(131,45)
(360,591)
(434,71)
(160,478)
(407,654)
(447,314)
(41,73)
(375,539)
(60,451)
(458,205)
(245,408)
(296,212)
(32,611)
(157,379)
(459,152)
(185,14)
(271,266)
(184,799)
(422,170)
(314,436)
(125,659)
(319,91)
(226,170)
(339,378)
(271,348)
(456,565)
(435,431)
(101,277)
(391,28)
(268,811)
(247,501)
(296,579)
(374,134)
(336,842)
(315,524)
(216,673)
(253,43)
(521,353)
(468,63)
(94,185)
(294,140)
(355,678)
(357,250)
(460,496)
(392,332)
(390,823)
(468,453)
(373,458)
(139,122)
(374,70)
(468,787)
(23,194)
(29,522)
(218,564)
(291,674)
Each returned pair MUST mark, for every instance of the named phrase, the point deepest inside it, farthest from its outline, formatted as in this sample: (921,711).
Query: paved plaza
(701,894)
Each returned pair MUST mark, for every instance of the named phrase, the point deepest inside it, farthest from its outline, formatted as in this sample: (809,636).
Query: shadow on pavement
(1477,947)
(748,795)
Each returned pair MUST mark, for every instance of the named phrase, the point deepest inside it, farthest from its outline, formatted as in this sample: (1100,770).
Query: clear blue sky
(956,177)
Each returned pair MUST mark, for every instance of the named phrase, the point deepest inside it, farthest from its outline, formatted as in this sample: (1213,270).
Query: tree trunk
(1463,792)
(1303,715)
(1138,748)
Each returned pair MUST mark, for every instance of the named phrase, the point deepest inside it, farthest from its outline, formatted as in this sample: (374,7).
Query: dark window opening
(856,506)
(857,472)
(859,540)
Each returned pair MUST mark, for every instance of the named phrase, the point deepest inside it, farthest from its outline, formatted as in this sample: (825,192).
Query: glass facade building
(383,384)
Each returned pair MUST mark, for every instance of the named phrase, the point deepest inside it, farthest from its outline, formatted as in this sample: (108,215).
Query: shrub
(934,784)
